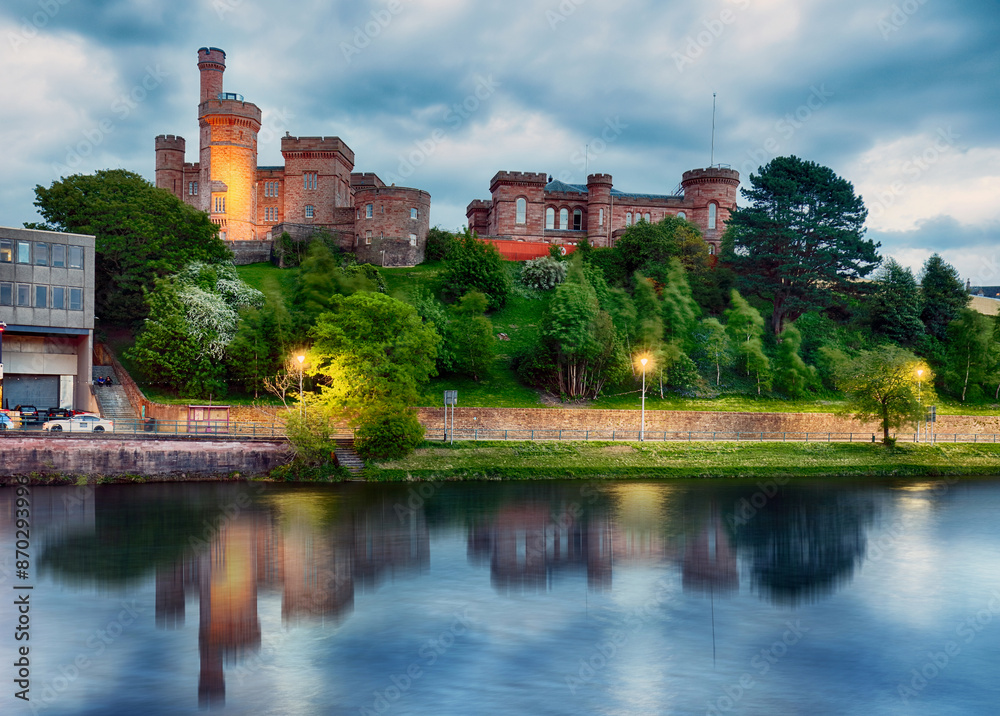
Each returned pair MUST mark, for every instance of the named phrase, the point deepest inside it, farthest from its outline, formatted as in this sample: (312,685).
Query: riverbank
(554,460)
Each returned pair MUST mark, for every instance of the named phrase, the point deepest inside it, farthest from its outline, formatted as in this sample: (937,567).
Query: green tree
(971,353)
(881,384)
(371,349)
(716,344)
(470,336)
(746,327)
(943,296)
(895,305)
(142,234)
(801,240)
(791,374)
(388,432)
(260,347)
(439,243)
(474,265)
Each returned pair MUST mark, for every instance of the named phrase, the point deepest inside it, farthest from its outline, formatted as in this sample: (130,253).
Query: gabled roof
(561,186)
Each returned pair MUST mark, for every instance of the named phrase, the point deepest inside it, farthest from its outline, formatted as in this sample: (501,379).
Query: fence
(151,428)
(476,434)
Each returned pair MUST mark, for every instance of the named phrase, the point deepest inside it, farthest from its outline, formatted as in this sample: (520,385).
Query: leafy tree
(470,336)
(142,234)
(745,326)
(439,243)
(258,351)
(801,239)
(371,349)
(388,432)
(972,352)
(716,344)
(543,273)
(791,374)
(474,265)
(680,311)
(881,385)
(943,296)
(895,305)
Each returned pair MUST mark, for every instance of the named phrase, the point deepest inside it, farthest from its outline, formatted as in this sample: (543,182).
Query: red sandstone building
(317,188)
(531,208)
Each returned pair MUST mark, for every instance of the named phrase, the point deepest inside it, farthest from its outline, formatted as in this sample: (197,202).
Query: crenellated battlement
(518,178)
(292,146)
(479,205)
(711,174)
(170,141)
(366,179)
(599,179)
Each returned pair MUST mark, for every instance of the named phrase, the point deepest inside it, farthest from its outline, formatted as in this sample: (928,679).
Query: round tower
(709,197)
(170,163)
(212,63)
(599,209)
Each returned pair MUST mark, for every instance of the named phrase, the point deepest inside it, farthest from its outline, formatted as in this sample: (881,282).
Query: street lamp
(642,419)
(301,359)
(920,403)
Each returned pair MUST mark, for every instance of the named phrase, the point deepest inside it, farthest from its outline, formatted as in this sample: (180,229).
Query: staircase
(345,456)
(112,400)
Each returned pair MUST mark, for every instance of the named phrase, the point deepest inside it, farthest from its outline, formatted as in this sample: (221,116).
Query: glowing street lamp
(642,419)
(302,359)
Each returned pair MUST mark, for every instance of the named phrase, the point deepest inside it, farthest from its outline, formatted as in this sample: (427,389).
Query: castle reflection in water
(318,547)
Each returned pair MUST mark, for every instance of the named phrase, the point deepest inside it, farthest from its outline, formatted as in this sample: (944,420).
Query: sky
(900,98)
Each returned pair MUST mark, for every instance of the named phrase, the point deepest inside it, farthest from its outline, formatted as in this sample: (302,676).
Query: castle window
(59,255)
(577,220)
(192,188)
(711,249)
(713,211)
(600,217)
(681,215)
(564,218)
(309,180)
(645,217)
(76,257)
(41,254)
(550,218)
(309,211)
(23,252)
(413,239)
(522,211)
(220,205)
(369,211)
(413,213)
(628,218)
(368,237)
(222,235)
(6,294)
(76,299)
(6,251)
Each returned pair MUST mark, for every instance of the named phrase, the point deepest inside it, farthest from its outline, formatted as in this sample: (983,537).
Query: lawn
(277,284)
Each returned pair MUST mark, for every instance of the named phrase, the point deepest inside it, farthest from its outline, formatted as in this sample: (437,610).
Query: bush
(543,273)
(388,432)
(439,243)
(474,265)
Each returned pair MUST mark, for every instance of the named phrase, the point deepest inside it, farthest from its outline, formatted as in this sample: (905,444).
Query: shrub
(388,432)
(543,273)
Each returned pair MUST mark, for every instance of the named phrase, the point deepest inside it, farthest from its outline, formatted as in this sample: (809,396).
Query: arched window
(713,214)
(550,218)
(564,218)
(681,215)
(711,249)
(522,211)
(645,217)
(628,218)
(600,217)
(577,220)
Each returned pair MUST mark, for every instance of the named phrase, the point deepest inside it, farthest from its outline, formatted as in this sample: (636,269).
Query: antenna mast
(712,164)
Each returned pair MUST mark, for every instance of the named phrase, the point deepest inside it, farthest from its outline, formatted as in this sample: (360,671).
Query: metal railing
(556,434)
(151,428)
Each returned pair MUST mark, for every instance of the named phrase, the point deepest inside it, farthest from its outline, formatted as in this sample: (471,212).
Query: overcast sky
(898,97)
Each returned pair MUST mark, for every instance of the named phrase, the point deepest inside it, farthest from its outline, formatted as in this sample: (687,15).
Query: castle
(317,188)
(532,208)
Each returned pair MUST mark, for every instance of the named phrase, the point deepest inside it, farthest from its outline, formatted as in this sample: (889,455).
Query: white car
(79,424)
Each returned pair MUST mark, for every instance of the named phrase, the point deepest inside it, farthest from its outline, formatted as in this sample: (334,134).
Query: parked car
(54,413)
(78,424)
(5,422)
(29,414)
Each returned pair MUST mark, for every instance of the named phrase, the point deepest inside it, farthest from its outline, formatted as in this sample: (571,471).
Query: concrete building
(316,187)
(47,304)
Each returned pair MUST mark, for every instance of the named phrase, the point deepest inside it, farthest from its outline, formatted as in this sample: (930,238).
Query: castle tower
(514,192)
(228,128)
(599,209)
(170,163)
(711,195)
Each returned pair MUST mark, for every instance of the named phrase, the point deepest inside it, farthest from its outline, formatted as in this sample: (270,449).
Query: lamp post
(302,359)
(920,375)
(642,419)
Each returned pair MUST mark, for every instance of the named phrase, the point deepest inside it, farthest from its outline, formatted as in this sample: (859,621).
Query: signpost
(450,398)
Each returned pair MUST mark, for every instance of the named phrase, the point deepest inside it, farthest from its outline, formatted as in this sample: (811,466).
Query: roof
(561,186)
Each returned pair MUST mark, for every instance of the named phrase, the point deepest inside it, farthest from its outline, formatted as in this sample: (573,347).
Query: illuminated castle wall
(316,188)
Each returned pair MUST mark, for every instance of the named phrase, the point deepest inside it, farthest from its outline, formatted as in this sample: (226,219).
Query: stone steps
(345,456)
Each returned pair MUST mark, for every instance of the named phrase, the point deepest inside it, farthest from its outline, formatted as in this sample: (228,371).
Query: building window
(564,218)
(600,217)
(6,251)
(521,210)
(550,218)
(6,294)
(23,252)
(41,254)
(270,188)
(192,188)
(628,218)
(58,297)
(681,215)
(645,217)
(220,205)
(711,249)
(41,296)
(413,239)
(24,294)
(309,211)
(413,213)
(76,299)
(577,220)
(368,237)
(58,255)
(369,211)
(309,180)
(713,212)
(76,257)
